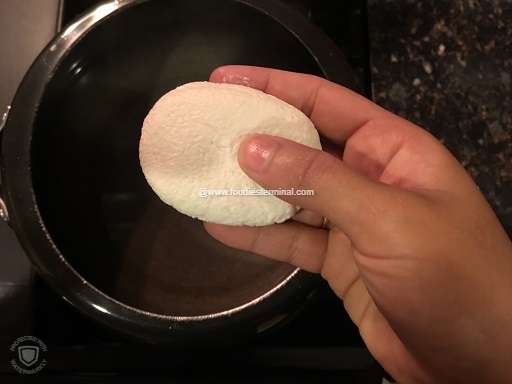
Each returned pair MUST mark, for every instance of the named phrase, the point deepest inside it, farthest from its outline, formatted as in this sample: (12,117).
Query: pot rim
(25,218)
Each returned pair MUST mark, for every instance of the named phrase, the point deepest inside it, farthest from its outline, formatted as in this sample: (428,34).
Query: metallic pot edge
(27,223)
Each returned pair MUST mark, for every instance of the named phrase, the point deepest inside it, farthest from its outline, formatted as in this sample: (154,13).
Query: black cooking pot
(73,188)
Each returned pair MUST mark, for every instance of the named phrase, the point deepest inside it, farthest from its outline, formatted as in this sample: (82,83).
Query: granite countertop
(447,65)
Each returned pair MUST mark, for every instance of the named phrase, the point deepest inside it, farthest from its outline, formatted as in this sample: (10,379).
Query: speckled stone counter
(447,66)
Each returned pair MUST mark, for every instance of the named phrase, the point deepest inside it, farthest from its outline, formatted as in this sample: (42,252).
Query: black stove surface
(319,343)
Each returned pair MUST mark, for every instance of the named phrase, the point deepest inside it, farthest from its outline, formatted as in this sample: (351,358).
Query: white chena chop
(189,144)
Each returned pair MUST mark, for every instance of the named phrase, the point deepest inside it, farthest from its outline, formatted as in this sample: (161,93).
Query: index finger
(336,111)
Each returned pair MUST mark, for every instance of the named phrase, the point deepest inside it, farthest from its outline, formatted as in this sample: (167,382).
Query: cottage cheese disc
(189,144)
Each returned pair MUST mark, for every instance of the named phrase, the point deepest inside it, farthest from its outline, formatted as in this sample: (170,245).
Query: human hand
(414,250)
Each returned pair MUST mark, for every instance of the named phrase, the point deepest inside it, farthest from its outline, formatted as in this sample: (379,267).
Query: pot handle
(4,215)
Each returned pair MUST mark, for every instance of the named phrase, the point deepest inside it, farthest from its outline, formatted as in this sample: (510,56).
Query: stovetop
(319,342)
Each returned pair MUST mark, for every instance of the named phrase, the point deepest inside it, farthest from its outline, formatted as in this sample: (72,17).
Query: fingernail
(256,153)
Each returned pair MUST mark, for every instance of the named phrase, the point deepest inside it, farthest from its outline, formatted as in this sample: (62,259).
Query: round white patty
(189,144)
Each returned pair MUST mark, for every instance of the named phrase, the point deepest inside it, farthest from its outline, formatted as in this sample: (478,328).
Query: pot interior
(90,190)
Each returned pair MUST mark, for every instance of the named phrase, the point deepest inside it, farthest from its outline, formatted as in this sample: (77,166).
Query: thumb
(352,202)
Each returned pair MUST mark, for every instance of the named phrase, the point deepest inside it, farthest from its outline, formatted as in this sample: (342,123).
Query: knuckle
(338,243)
(318,166)
(293,250)
(254,245)
(367,132)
